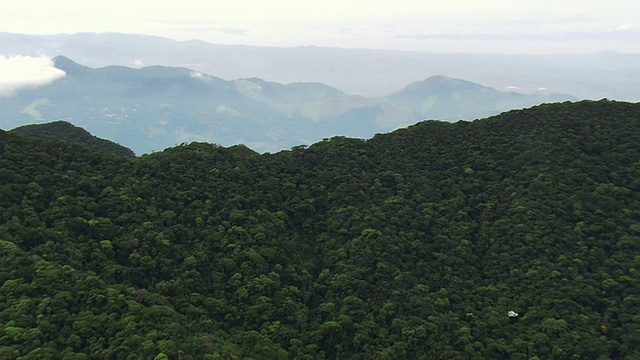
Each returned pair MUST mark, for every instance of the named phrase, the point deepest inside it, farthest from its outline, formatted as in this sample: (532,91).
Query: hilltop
(66,131)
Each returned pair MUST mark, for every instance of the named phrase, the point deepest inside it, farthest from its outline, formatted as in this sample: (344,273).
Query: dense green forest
(411,245)
(71,133)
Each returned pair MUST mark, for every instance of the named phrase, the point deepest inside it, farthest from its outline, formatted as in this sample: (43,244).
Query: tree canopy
(511,237)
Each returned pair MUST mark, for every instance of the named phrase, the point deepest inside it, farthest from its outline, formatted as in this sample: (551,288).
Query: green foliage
(65,130)
(414,244)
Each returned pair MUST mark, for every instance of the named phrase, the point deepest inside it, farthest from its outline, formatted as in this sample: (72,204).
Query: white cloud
(138,63)
(24,72)
(200,76)
(624,27)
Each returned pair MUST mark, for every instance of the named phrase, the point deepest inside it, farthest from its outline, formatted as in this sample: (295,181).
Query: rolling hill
(66,131)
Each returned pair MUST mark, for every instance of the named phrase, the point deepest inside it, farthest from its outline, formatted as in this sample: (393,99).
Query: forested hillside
(411,245)
(69,132)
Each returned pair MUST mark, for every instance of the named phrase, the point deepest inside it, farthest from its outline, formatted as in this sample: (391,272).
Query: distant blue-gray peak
(442,83)
(70,67)
(445,98)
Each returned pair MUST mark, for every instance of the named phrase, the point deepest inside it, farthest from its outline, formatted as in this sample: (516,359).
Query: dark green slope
(414,244)
(75,134)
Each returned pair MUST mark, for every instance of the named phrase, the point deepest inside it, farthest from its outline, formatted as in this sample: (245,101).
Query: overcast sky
(522,26)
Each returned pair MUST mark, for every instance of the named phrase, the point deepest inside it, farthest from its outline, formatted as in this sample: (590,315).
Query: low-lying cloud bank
(26,72)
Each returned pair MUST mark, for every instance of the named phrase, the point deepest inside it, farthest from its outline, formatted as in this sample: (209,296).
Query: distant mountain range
(365,72)
(156,107)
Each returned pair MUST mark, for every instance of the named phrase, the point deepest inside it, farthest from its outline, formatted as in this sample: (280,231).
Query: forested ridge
(71,133)
(411,245)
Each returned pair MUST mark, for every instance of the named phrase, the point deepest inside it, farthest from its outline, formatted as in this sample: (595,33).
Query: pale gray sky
(521,26)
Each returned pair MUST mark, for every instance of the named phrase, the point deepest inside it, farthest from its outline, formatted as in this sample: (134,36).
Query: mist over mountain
(152,108)
(364,72)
